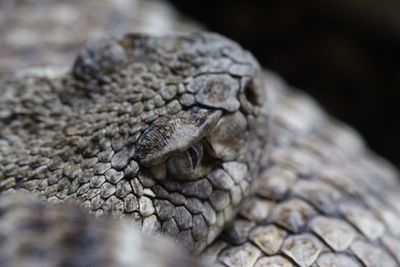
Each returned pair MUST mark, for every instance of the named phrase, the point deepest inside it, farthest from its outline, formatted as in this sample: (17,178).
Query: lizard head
(177,129)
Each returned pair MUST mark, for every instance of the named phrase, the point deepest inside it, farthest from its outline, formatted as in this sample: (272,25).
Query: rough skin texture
(323,199)
(183,136)
(155,129)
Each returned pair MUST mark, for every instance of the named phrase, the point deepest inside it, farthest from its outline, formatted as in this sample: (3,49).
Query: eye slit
(186,165)
(193,156)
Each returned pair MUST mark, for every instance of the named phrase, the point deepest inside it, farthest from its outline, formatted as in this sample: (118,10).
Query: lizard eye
(187,164)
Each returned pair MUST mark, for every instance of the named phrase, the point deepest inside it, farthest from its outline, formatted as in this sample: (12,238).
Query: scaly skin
(185,136)
(323,199)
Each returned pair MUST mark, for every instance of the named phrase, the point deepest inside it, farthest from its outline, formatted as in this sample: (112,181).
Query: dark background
(345,53)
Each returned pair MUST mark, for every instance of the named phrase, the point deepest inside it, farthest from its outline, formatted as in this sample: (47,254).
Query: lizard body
(184,136)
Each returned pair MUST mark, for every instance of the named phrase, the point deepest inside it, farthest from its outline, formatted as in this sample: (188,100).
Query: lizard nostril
(250,93)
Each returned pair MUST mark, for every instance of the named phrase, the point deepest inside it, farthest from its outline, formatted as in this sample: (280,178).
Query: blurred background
(345,53)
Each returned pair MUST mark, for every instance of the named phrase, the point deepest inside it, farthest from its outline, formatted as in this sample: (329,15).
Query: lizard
(184,137)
